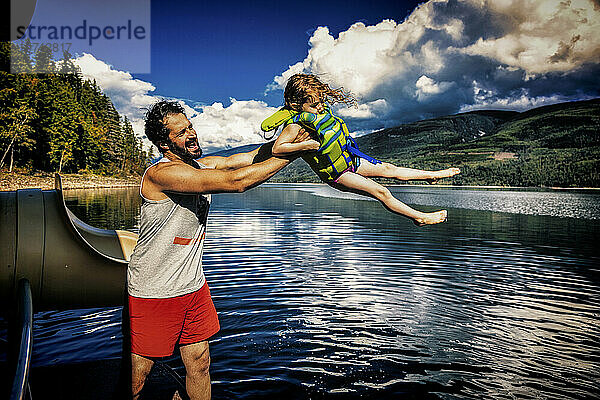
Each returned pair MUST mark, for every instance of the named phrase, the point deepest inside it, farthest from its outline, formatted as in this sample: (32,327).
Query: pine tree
(43,60)
(20,57)
(53,119)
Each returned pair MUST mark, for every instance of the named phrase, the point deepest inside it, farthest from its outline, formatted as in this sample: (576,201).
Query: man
(169,301)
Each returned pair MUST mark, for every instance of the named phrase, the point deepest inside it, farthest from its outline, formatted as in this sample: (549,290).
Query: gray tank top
(167,259)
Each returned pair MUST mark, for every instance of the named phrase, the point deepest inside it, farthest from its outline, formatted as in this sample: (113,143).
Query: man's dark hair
(154,127)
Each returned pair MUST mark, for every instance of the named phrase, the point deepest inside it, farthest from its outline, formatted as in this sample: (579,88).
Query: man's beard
(185,155)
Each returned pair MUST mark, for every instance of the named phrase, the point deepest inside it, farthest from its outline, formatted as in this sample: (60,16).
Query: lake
(322,294)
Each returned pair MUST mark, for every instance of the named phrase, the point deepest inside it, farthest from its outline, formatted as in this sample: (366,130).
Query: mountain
(236,150)
(556,145)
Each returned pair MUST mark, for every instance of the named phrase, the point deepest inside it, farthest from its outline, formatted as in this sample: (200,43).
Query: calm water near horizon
(322,294)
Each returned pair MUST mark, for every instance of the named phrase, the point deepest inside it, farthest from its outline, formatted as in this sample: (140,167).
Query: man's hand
(294,139)
(308,143)
(311,145)
(302,135)
(261,154)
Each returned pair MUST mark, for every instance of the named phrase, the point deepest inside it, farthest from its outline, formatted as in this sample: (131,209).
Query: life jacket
(338,150)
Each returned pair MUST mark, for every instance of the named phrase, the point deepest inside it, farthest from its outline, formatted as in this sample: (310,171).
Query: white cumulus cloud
(427,86)
(131,97)
(238,124)
(546,35)
(218,127)
(448,56)
(365,110)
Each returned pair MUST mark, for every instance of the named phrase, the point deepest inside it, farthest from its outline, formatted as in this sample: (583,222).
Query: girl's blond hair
(304,88)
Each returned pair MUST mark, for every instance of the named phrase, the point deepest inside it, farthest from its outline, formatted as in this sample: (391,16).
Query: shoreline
(448,186)
(45,180)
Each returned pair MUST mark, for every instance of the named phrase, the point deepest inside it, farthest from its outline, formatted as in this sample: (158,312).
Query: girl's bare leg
(355,183)
(387,170)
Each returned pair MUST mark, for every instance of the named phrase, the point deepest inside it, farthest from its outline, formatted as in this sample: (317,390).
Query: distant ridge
(236,150)
(554,145)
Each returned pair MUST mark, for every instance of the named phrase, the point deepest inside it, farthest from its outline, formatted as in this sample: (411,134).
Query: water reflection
(322,296)
(106,208)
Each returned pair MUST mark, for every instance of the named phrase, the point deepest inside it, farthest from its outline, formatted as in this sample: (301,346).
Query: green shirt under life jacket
(333,156)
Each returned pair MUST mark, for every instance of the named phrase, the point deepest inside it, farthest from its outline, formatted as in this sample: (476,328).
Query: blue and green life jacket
(338,151)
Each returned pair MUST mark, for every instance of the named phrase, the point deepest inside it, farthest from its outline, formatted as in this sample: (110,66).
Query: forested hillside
(556,145)
(58,121)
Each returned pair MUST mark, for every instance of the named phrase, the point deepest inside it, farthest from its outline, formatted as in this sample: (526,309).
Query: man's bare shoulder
(176,176)
(162,168)
(158,175)
(211,161)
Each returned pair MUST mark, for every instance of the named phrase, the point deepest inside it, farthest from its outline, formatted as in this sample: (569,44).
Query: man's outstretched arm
(183,178)
(260,154)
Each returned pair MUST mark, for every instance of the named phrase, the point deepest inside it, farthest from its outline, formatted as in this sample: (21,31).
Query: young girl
(333,154)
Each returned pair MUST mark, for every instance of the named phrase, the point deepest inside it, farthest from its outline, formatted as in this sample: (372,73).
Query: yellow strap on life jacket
(281,116)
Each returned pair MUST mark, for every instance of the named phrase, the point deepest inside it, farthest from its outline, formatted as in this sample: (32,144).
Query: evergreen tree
(43,60)
(20,57)
(53,119)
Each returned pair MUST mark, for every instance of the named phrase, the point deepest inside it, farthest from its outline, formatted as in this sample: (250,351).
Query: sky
(227,62)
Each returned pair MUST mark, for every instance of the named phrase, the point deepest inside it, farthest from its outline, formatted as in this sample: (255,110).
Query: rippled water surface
(324,295)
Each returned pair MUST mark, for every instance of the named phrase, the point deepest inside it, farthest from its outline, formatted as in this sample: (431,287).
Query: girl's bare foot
(444,173)
(431,218)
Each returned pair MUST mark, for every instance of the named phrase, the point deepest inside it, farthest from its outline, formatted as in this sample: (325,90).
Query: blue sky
(211,50)
(404,61)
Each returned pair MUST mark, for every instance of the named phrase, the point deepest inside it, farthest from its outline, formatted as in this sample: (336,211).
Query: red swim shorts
(158,324)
